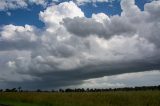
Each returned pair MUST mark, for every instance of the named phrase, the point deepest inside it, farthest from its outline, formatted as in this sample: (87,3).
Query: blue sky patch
(30,15)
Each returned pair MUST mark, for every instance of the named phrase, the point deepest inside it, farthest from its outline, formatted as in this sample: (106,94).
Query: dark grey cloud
(75,77)
(153,10)
(87,26)
(22,45)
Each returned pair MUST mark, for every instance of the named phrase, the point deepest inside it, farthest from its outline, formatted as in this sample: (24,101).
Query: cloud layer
(15,4)
(73,48)
(149,78)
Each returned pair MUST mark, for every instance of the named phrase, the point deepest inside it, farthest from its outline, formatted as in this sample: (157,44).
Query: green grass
(119,98)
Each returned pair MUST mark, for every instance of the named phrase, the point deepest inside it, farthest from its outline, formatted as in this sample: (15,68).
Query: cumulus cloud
(107,28)
(73,48)
(14,4)
(82,2)
(9,13)
(17,37)
(59,12)
(9,4)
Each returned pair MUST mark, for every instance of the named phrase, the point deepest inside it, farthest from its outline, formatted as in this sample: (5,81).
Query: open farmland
(118,98)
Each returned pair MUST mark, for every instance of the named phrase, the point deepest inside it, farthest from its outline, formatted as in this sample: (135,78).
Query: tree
(19,89)
(14,90)
(39,90)
(1,90)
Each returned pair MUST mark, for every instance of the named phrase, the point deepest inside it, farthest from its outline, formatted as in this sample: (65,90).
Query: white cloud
(14,4)
(59,12)
(81,2)
(38,2)
(9,13)
(12,33)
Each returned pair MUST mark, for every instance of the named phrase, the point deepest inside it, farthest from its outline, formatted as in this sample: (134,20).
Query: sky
(52,44)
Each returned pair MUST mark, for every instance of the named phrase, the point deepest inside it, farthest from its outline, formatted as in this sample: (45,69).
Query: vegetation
(143,88)
(138,96)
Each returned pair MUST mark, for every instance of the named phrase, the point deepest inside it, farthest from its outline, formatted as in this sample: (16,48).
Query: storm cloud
(73,48)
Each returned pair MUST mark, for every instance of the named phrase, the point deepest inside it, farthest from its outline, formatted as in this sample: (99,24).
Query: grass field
(118,98)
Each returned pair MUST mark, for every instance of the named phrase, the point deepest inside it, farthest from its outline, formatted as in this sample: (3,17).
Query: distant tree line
(111,89)
(19,89)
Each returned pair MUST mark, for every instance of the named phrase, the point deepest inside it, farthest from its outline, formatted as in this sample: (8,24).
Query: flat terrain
(118,98)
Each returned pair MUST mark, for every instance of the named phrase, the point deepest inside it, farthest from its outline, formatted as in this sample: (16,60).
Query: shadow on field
(4,105)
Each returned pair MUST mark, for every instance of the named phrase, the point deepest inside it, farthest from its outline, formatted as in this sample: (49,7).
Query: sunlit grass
(119,98)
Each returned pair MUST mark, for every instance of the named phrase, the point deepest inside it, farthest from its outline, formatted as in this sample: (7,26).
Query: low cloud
(149,78)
